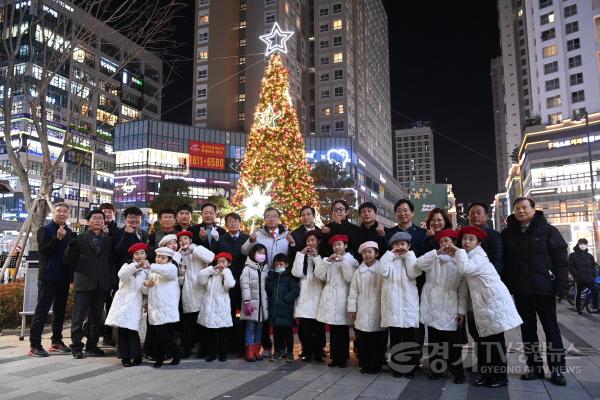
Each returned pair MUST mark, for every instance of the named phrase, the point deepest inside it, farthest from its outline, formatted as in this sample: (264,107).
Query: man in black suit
(128,235)
(307,218)
(207,233)
(91,255)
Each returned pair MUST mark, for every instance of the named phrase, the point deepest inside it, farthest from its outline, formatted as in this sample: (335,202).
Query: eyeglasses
(339,209)
(97,218)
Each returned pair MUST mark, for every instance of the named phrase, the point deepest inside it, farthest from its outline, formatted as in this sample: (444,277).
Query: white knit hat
(163,242)
(165,251)
(367,245)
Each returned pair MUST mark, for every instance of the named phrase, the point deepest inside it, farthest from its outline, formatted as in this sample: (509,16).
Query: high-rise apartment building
(414,155)
(502,161)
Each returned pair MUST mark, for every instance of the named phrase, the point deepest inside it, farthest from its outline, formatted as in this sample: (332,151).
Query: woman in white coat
(216,308)
(126,310)
(162,288)
(337,271)
(443,307)
(310,331)
(493,306)
(400,302)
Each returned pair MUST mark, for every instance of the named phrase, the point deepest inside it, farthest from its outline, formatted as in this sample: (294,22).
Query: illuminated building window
(338,57)
(550,51)
(337,24)
(339,109)
(203,19)
(241,98)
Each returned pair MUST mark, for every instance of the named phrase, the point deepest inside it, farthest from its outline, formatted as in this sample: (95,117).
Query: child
(400,301)
(126,310)
(493,306)
(193,260)
(170,241)
(443,307)
(163,304)
(282,291)
(310,331)
(337,271)
(364,302)
(254,299)
(216,308)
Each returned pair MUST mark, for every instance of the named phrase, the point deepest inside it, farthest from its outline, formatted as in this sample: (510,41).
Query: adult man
(370,229)
(492,244)
(53,282)
(166,218)
(184,218)
(128,235)
(110,225)
(404,210)
(339,225)
(207,233)
(535,268)
(583,269)
(307,219)
(91,255)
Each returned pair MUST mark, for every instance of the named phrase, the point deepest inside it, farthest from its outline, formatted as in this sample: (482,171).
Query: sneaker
(37,351)
(94,352)
(289,357)
(77,354)
(59,347)
(276,356)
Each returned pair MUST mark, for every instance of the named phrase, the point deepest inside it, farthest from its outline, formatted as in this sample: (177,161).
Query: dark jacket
(123,241)
(535,261)
(492,246)
(153,240)
(92,271)
(282,291)
(51,252)
(298,235)
(205,242)
(233,246)
(345,228)
(370,234)
(112,228)
(582,266)
(418,237)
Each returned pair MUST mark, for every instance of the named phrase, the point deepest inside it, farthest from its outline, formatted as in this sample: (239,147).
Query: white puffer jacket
(444,294)
(195,260)
(253,285)
(163,297)
(126,309)
(216,307)
(399,293)
(364,298)
(307,304)
(493,307)
(334,297)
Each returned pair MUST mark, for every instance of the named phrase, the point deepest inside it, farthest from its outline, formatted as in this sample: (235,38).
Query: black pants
(190,330)
(445,352)
(107,330)
(407,355)
(545,308)
(130,347)
(284,339)
(491,356)
(370,351)
(217,341)
(474,334)
(580,287)
(265,338)
(49,293)
(311,333)
(87,303)
(165,343)
(339,343)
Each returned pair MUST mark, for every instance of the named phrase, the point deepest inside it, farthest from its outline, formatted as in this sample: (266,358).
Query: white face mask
(582,246)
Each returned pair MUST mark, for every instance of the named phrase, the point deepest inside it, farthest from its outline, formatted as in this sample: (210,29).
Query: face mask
(279,270)
(583,247)
(260,258)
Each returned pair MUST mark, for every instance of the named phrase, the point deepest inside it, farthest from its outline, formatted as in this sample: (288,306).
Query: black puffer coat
(582,266)
(282,290)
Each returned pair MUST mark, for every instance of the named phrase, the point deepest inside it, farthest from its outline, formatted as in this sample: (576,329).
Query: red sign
(207,155)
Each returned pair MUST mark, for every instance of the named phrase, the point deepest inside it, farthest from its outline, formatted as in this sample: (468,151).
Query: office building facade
(414,161)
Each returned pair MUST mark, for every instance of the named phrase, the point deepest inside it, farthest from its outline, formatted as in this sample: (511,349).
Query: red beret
(473,230)
(336,238)
(451,233)
(138,246)
(224,254)
(185,233)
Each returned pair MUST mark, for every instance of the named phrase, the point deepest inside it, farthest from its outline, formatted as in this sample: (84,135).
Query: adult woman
(437,220)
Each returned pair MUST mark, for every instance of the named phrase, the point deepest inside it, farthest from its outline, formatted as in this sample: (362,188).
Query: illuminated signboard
(572,142)
(207,155)
(339,156)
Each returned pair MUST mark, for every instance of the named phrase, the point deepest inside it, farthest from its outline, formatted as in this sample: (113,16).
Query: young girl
(193,260)
(254,299)
(337,271)
(400,301)
(364,306)
(443,307)
(170,241)
(126,310)
(310,331)
(216,309)
(282,291)
(163,304)
(493,306)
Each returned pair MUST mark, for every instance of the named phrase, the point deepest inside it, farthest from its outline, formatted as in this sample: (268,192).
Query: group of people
(220,287)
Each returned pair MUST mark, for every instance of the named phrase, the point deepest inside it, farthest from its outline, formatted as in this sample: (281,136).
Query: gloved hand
(248,309)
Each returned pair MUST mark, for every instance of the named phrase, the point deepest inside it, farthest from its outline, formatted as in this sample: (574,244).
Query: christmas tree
(275,157)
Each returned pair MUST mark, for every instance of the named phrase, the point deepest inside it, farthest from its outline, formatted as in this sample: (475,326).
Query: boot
(250,353)
(257,354)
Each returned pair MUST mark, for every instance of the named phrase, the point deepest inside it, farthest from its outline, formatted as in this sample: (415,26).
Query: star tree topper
(267,117)
(257,202)
(273,42)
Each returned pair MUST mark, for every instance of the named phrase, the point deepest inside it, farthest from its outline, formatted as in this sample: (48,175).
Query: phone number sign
(207,155)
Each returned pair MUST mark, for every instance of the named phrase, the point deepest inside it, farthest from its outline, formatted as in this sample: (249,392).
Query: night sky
(440,56)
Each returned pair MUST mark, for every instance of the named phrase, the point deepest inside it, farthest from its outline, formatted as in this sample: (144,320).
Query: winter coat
(418,236)
(192,293)
(364,298)
(345,228)
(444,294)
(582,266)
(311,287)
(492,245)
(208,242)
(253,283)
(334,297)
(126,308)
(163,297)
(282,291)
(493,307)
(399,294)
(92,270)
(233,246)
(535,261)
(216,306)
(51,251)
(274,244)
(123,241)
